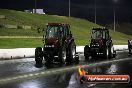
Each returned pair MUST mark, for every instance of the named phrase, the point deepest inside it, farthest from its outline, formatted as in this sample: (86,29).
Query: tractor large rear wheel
(49,58)
(72,53)
(62,55)
(111,52)
(86,52)
(106,52)
(38,55)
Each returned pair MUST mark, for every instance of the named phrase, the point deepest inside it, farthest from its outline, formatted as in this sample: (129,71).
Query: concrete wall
(10,26)
(30,52)
(2,16)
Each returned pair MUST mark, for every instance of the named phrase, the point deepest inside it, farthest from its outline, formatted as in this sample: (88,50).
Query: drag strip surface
(23,73)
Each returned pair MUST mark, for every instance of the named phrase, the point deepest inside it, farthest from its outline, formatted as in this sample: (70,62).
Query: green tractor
(59,45)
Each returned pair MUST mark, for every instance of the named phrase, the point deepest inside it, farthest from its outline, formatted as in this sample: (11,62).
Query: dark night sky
(79,8)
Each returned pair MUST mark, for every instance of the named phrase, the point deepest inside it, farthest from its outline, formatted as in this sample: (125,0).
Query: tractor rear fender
(69,41)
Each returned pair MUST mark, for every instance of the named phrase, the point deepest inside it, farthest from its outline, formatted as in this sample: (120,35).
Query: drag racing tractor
(130,46)
(101,44)
(59,45)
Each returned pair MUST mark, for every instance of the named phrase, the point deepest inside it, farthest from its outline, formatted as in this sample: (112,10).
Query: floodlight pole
(115,1)
(95,12)
(35,6)
(114,20)
(69,8)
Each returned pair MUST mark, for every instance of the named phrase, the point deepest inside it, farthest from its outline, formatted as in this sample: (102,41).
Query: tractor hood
(51,41)
(97,41)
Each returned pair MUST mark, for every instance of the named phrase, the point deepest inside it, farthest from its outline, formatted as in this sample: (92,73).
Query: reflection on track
(65,79)
(114,68)
(20,66)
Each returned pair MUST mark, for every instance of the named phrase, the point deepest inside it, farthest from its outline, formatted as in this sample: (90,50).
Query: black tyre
(77,59)
(93,56)
(82,80)
(38,55)
(114,54)
(111,52)
(86,52)
(71,53)
(49,58)
(62,55)
(106,52)
(130,51)
(76,56)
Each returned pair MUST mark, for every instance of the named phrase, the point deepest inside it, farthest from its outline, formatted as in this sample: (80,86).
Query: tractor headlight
(95,45)
(53,46)
(48,46)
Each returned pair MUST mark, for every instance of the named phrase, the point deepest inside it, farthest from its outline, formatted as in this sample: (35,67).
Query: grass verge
(80,28)
(20,42)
